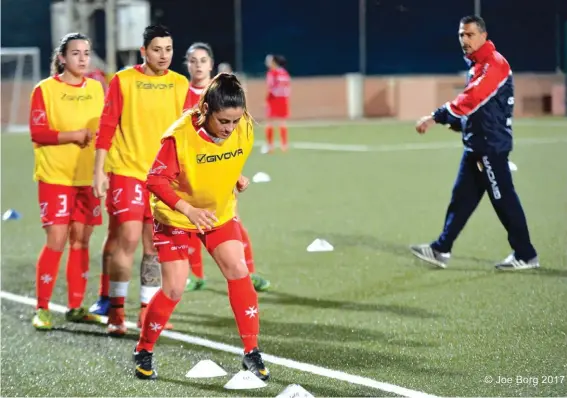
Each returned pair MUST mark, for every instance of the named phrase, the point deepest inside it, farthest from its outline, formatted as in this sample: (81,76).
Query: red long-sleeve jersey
(279,83)
(110,115)
(164,170)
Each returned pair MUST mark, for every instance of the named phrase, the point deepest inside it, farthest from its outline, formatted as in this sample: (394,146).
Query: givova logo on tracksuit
(491,178)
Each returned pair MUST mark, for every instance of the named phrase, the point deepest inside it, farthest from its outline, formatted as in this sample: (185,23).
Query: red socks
(248,255)
(47,269)
(195,258)
(107,250)
(244,303)
(283,137)
(77,276)
(158,313)
(104,285)
(117,302)
(105,277)
(270,136)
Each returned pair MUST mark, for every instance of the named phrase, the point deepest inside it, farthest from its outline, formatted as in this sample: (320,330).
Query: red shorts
(277,108)
(128,199)
(61,204)
(174,244)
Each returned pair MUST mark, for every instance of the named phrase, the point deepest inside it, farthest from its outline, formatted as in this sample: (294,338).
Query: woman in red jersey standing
(278,85)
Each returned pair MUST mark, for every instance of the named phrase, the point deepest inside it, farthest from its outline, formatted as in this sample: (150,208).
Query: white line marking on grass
(317,123)
(325,146)
(385,121)
(288,363)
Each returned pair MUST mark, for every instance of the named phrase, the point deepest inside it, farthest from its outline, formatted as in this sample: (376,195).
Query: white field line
(324,146)
(523,122)
(317,123)
(288,363)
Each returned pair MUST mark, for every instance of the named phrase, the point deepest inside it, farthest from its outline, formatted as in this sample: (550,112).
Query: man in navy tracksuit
(483,113)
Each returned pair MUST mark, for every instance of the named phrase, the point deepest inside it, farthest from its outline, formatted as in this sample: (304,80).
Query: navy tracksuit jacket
(483,113)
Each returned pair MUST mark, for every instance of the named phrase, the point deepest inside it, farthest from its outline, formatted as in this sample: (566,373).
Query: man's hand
(424,124)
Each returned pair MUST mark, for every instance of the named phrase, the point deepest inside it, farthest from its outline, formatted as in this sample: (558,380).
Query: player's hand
(81,137)
(201,218)
(87,140)
(242,183)
(424,124)
(100,184)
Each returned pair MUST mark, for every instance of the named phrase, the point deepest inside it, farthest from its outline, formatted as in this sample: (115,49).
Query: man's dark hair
(474,19)
(153,31)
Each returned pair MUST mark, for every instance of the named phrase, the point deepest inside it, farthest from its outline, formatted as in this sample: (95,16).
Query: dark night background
(321,38)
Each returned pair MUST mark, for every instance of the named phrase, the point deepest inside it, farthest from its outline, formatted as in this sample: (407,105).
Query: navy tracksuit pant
(478,174)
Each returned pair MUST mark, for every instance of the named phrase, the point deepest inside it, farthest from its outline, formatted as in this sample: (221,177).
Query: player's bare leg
(78,273)
(229,256)
(47,269)
(128,236)
(173,277)
(150,273)
(102,305)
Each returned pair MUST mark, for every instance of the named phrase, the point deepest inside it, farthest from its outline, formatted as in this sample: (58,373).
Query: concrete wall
(405,98)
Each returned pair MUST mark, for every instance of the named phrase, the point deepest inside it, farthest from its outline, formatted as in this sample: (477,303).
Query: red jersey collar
(203,133)
(483,52)
(81,84)
(196,89)
(140,69)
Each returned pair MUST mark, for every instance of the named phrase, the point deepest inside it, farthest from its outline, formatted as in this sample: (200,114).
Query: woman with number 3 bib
(64,116)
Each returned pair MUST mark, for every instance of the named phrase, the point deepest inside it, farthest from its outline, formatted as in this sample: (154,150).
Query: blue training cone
(11,215)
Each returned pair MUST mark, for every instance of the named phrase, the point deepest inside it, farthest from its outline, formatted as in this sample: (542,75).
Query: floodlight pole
(238,55)
(110,12)
(477,7)
(362,37)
